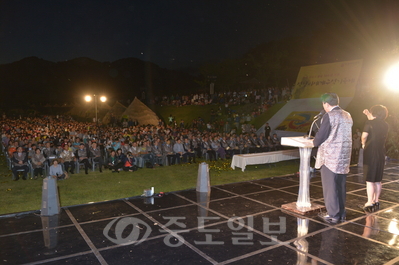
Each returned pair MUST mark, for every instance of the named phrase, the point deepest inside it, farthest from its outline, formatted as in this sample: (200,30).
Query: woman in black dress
(373,142)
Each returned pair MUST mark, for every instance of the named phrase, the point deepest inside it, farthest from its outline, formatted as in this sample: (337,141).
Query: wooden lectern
(303,205)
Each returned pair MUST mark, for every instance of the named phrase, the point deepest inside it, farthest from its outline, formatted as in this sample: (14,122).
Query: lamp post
(88,98)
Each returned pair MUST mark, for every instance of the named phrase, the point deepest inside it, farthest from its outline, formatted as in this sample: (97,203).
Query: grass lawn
(25,195)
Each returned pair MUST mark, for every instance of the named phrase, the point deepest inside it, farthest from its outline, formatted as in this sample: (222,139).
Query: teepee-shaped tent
(116,111)
(140,112)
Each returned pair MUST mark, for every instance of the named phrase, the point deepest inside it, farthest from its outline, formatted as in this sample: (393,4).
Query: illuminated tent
(140,112)
(115,111)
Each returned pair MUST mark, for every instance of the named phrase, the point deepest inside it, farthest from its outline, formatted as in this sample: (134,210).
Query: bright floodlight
(88,98)
(103,99)
(392,78)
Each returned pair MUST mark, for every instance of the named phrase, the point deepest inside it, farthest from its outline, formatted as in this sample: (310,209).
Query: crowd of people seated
(225,120)
(271,94)
(38,142)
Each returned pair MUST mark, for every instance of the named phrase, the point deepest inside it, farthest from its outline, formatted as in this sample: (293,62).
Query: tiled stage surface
(241,223)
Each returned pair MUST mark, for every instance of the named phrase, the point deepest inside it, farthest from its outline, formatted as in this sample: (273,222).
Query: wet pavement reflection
(238,223)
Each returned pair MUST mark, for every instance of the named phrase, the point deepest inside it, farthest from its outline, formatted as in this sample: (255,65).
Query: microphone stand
(311,128)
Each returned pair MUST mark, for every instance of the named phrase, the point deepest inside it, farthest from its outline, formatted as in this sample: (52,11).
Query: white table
(243,160)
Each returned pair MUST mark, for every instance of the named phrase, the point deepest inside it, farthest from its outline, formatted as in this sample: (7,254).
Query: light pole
(88,98)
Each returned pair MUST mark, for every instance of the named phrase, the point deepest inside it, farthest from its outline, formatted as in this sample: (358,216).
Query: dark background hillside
(34,81)
(37,81)
(120,45)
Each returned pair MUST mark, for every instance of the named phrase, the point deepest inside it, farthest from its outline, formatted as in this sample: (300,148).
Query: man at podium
(334,140)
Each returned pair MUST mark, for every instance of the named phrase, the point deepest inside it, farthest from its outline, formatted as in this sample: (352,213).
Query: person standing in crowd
(170,119)
(267,130)
(373,139)
(334,140)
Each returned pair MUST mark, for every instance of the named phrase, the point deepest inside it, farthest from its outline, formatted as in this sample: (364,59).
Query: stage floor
(239,223)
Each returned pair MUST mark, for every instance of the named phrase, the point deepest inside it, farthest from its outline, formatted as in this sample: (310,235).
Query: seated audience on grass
(271,95)
(48,152)
(114,163)
(207,149)
(170,155)
(31,150)
(12,148)
(217,147)
(146,154)
(178,149)
(96,155)
(56,171)
(150,143)
(38,161)
(276,142)
(83,157)
(129,163)
(68,159)
(159,157)
(188,151)
(135,150)
(20,163)
(270,143)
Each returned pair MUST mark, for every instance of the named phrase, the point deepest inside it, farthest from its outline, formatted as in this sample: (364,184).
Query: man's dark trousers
(334,192)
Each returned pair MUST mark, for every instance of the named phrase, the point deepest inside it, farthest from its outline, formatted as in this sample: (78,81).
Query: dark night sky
(174,33)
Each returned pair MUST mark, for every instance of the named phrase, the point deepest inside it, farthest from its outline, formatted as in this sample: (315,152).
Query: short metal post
(203,182)
(50,200)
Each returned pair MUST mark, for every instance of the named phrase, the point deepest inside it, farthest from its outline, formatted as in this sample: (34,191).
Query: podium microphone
(318,116)
(315,118)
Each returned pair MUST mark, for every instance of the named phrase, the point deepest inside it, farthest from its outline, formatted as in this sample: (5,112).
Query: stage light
(88,98)
(391,79)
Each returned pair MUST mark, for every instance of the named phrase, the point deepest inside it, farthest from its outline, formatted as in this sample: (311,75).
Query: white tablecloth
(242,161)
